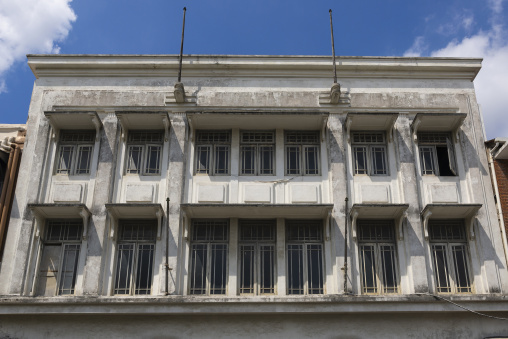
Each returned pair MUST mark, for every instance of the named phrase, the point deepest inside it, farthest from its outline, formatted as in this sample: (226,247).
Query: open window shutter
(451,156)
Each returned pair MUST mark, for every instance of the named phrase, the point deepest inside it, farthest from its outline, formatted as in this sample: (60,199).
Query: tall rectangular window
(213,152)
(369,153)
(302,152)
(450,256)
(59,259)
(75,150)
(257,257)
(144,152)
(134,259)
(378,257)
(257,153)
(208,257)
(304,253)
(437,156)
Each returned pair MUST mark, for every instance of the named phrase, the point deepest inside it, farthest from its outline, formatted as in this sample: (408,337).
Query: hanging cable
(460,306)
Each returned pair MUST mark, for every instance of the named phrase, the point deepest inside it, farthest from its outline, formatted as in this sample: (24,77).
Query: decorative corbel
(179,93)
(349,122)
(470,225)
(39,222)
(456,135)
(122,124)
(165,121)
(335,93)
(97,123)
(426,217)
(159,215)
(416,124)
(85,214)
(400,224)
(354,216)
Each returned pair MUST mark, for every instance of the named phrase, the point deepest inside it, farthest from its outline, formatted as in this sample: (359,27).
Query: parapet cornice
(99,65)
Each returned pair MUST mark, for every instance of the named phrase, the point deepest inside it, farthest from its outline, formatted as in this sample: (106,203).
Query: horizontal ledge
(244,305)
(257,210)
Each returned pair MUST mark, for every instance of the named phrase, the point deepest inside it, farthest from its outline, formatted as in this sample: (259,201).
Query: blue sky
(469,28)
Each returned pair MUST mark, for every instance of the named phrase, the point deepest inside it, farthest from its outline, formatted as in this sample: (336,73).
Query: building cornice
(252,66)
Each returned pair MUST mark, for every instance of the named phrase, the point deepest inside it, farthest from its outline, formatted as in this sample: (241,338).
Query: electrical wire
(460,306)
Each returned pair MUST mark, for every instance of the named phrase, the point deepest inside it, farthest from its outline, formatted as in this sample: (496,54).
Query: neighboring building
(273,181)
(498,160)
(12,138)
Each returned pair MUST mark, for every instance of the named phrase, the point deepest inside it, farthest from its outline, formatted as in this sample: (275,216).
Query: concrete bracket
(97,124)
(400,224)
(39,222)
(426,217)
(159,215)
(112,226)
(328,225)
(391,130)
(348,129)
(86,216)
(416,123)
(191,129)
(165,121)
(456,134)
(53,128)
(471,221)
(185,226)
(354,216)
(323,128)
(124,128)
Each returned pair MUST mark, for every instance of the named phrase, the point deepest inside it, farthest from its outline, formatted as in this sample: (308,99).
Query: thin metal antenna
(333,50)
(181,47)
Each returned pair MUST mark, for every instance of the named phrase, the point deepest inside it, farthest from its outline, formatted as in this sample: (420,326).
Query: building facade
(251,199)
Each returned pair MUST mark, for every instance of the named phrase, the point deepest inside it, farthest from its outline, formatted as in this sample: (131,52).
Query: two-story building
(254,200)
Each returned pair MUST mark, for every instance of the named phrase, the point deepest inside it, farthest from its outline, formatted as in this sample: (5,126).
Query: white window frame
(306,244)
(144,157)
(77,146)
(134,261)
(63,244)
(208,246)
(257,145)
(371,141)
(380,271)
(448,246)
(301,147)
(256,271)
(426,146)
(213,147)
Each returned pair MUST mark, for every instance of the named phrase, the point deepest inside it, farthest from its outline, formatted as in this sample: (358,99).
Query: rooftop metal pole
(333,51)
(181,47)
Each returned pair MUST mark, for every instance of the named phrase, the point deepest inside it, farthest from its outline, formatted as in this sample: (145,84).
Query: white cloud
(491,84)
(417,49)
(31,26)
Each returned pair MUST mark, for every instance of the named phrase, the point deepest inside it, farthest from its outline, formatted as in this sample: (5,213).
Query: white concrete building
(273,181)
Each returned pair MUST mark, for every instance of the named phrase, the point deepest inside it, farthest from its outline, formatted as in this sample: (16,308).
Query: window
(59,260)
(257,151)
(208,257)
(302,152)
(257,256)
(304,257)
(378,257)
(369,153)
(75,152)
(213,152)
(450,256)
(134,260)
(144,152)
(436,154)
